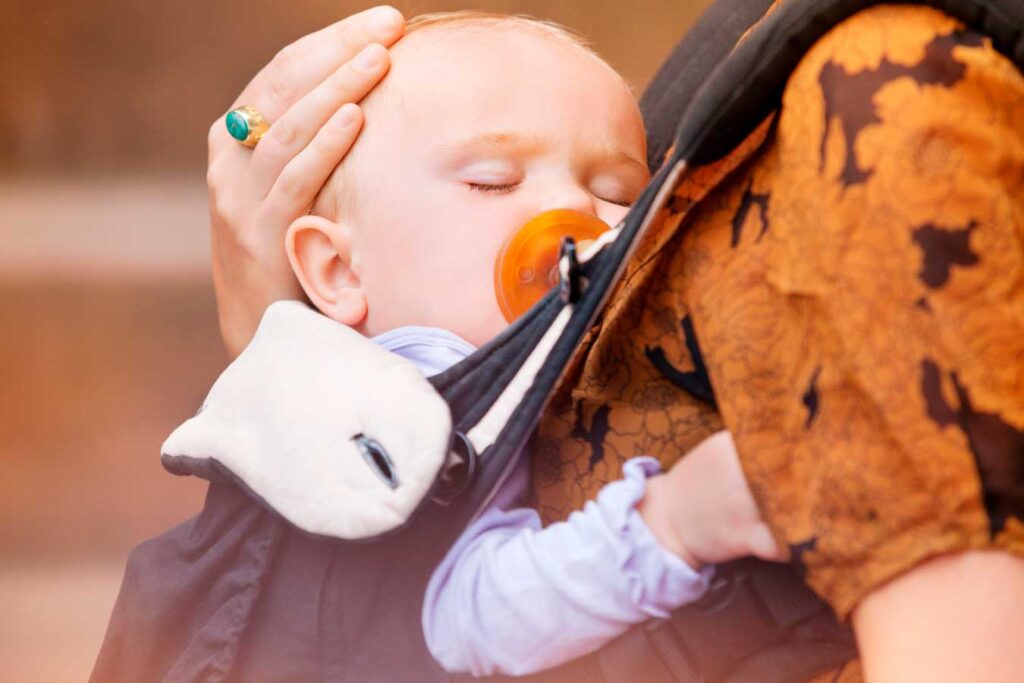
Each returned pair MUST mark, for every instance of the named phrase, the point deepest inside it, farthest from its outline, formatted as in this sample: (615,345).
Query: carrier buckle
(458,472)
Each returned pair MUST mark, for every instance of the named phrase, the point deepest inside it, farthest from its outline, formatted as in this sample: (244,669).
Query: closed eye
(497,188)
(618,202)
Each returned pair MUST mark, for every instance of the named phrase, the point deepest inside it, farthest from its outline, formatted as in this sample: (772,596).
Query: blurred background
(108,329)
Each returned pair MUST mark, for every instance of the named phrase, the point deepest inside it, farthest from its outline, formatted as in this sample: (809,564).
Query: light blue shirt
(515,597)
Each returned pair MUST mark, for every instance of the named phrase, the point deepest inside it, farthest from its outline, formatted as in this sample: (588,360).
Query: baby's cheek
(612,214)
(479,317)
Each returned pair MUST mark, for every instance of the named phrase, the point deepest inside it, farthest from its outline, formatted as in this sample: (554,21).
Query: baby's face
(477,132)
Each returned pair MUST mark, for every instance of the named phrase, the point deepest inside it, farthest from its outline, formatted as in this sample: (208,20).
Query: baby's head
(483,122)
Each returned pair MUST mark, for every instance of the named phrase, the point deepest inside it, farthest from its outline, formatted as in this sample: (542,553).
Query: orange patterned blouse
(852,281)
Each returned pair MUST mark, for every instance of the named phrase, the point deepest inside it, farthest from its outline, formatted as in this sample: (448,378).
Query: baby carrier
(285,577)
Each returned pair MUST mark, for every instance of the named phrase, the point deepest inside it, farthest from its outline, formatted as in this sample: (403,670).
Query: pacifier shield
(527,264)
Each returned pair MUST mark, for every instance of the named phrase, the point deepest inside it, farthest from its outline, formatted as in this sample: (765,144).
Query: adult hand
(308,94)
(702,509)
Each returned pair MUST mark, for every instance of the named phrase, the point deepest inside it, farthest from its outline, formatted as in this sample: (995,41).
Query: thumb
(764,546)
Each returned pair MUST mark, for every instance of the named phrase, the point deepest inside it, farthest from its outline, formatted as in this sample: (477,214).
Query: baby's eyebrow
(496,141)
(511,142)
(621,156)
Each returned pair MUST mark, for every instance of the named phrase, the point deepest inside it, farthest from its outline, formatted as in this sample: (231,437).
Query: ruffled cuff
(659,580)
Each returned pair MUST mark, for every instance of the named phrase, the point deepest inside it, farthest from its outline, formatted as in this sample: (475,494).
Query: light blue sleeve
(514,597)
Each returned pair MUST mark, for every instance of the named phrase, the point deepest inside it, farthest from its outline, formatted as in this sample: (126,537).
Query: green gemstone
(237,126)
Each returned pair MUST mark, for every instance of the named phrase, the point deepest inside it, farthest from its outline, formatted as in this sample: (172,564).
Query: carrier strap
(753,612)
(706,44)
(758,623)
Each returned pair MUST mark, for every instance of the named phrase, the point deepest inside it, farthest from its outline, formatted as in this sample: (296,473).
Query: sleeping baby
(484,122)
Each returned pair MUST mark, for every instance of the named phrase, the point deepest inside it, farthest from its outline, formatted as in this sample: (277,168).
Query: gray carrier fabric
(236,594)
(703,47)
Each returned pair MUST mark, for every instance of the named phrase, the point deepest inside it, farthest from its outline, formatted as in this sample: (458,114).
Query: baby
(484,122)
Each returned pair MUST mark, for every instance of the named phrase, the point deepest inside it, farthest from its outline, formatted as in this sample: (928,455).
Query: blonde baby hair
(338,193)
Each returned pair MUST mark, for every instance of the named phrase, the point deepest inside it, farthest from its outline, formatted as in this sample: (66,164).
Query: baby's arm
(512,597)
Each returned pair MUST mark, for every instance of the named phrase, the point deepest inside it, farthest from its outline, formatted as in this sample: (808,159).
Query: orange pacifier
(527,264)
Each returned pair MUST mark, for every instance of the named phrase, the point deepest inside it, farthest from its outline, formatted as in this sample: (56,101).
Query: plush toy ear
(319,250)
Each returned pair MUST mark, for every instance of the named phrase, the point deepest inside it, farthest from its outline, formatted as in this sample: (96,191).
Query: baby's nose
(571,197)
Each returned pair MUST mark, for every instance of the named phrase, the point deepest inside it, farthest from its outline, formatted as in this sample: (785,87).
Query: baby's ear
(320,253)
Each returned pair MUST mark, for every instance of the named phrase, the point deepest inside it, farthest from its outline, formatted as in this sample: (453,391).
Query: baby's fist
(702,508)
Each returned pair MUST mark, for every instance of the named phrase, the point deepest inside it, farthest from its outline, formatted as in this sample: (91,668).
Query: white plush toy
(339,436)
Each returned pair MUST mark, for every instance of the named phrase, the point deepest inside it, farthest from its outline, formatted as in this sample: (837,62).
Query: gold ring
(246,125)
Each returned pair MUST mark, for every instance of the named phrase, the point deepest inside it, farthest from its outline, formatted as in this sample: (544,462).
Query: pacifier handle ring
(569,285)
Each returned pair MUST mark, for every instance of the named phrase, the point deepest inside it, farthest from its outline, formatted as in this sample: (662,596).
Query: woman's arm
(953,619)
(897,238)
(308,94)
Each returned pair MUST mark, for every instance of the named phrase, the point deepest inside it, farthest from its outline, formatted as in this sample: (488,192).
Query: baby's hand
(702,508)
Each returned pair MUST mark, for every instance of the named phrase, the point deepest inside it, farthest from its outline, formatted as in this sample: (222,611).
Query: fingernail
(368,58)
(384,20)
(346,115)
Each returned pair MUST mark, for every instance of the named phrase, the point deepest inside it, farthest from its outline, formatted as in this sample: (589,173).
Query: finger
(294,131)
(764,546)
(300,181)
(301,66)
